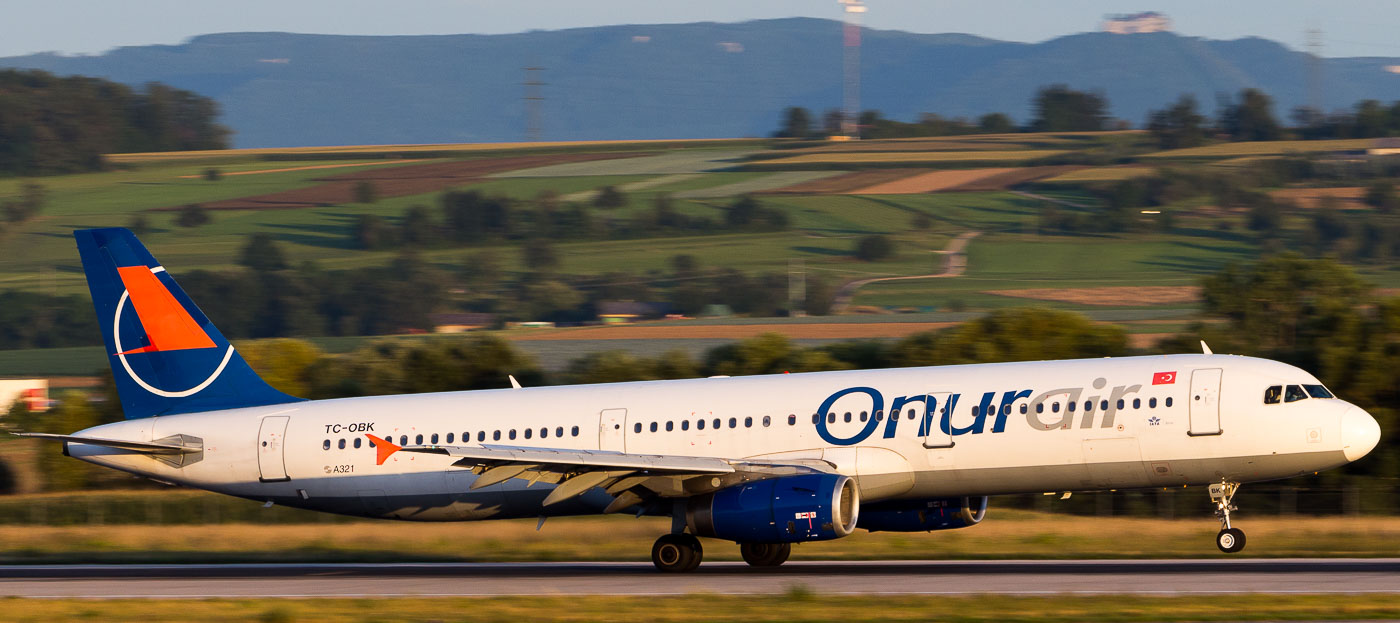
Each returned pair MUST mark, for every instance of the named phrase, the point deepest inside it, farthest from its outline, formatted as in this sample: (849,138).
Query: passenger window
(848,416)
(1024,409)
(559,431)
(1137,403)
(1055,407)
(326,445)
(716,423)
(418,440)
(1152,403)
(685,424)
(341,445)
(1040,407)
(911,414)
(495,435)
(975,410)
(512,433)
(1088,405)
(449,437)
(1120,404)
(530,432)
(1006,409)
(357,443)
(1169,401)
(792,420)
(814,417)
(403,440)
(481,435)
(748,422)
(1294,393)
(435,439)
(574,431)
(767,421)
(699,424)
(653,427)
(1318,391)
(544,433)
(831,418)
(670,426)
(1103,405)
(637,428)
(733,422)
(1070,406)
(371,444)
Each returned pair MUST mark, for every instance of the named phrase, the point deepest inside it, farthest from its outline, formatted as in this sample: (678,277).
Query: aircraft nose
(1360,433)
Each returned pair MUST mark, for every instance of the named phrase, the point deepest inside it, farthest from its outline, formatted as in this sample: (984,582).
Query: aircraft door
(272,466)
(1205,402)
(935,411)
(610,431)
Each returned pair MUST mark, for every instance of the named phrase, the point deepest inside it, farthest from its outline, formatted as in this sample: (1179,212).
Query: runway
(1017,577)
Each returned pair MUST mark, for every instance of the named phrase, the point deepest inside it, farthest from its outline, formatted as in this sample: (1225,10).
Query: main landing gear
(678,552)
(1229,540)
(681,552)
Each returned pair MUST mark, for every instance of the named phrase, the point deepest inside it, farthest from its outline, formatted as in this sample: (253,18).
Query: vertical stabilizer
(166,356)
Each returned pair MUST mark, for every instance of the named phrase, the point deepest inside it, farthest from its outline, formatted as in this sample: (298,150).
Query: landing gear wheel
(677,553)
(765,554)
(1230,540)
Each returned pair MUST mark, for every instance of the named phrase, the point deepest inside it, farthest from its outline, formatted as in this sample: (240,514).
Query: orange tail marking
(168,326)
(382,449)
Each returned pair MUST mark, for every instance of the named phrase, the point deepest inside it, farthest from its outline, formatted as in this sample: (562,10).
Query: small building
(461,322)
(1136,23)
(34,392)
(615,312)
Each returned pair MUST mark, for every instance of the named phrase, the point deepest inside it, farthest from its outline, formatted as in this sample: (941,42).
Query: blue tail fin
(166,356)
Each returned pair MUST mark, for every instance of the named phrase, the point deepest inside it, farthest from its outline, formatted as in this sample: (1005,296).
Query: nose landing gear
(1229,539)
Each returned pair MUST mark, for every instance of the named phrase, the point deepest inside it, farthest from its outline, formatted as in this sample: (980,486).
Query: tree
(1381,196)
(1179,125)
(212,174)
(609,197)
(1061,109)
(139,225)
(874,247)
(261,254)
(1282,304)
(372,232)
(995,123)
(1251,118)
(365,192)
(30,203)
(418,228)
(742,212)
(539,255)
(797,123)
(1013,335)
(192,215)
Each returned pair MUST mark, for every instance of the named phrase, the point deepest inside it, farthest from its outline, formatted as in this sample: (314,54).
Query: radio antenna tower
(533,99)
(1314,39)
(850,105)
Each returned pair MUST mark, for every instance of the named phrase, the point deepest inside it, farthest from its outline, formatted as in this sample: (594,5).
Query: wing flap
(472,456)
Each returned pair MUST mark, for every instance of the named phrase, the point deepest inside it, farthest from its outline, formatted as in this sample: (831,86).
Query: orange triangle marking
(382,449)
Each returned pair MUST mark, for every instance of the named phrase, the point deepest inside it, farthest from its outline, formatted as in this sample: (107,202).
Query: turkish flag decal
(1164,378)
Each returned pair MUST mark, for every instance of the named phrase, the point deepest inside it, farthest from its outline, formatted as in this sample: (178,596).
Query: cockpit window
(1273,394)
(1294,393)
(1318,391)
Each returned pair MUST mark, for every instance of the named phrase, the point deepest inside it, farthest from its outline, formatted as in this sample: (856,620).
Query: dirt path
(311,167)
(955,266)
(1062,202)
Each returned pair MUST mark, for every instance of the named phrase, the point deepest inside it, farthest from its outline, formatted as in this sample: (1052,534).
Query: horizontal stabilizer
(144,447)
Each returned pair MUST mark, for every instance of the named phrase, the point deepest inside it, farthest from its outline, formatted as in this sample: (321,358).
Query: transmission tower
(1314,43)
(850,105)
(534,98)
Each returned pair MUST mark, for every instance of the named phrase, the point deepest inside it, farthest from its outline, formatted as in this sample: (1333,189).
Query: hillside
(680,81)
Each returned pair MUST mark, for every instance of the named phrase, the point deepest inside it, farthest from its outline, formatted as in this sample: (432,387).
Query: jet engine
(789,509)
(924,515)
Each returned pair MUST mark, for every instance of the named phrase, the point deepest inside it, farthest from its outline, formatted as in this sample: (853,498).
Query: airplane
(763,461)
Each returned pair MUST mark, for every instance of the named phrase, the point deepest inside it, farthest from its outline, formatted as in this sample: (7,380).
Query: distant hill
(682,80)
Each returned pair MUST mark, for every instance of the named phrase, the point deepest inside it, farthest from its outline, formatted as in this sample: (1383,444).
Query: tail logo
(166,324)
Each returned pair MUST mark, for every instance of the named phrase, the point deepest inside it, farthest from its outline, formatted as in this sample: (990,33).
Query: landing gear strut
(765,554)
(676,553)
(1229,539)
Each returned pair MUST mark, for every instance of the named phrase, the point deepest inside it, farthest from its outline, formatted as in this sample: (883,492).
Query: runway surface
(1024,577)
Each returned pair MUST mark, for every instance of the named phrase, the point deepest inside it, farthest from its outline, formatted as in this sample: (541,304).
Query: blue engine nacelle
(810,507)
(924,515)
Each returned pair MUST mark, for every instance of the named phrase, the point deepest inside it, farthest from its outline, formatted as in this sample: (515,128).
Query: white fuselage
(1012,430)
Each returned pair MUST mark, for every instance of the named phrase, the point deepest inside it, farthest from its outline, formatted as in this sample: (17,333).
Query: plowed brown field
(846,182)
(1002,181)
(396,181)
(1121,296)
(930,182)
(1347,198)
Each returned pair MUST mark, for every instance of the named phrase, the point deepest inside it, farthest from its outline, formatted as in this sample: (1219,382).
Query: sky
(1349,27)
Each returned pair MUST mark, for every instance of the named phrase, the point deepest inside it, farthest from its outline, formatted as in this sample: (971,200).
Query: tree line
(51,124)
(1246,116)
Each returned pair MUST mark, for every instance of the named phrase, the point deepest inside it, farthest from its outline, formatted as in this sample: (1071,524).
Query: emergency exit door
(1205,402)
(935,412)
(272,444)
(610,433)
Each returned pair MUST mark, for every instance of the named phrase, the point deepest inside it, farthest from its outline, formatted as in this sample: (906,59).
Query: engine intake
(790,509)
(924,515)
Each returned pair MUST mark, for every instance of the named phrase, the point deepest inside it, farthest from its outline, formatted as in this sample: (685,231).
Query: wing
(630,478)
